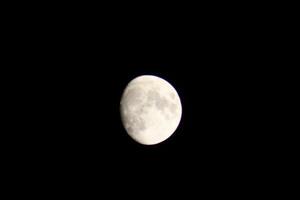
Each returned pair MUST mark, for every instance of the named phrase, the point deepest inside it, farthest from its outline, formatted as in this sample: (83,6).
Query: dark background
(72,68)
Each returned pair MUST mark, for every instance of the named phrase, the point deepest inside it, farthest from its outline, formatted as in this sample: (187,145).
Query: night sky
(70,84)
(77,127)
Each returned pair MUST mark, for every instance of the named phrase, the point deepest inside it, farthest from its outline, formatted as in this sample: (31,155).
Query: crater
(135,124)
(161,103)
(133,96)
(142,109)
(154,98)
(172,95)
(173,108)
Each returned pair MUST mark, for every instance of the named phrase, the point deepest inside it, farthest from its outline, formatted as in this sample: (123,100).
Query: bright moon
(150,109)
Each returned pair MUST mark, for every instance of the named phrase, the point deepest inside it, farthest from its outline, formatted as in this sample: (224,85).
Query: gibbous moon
(150,109)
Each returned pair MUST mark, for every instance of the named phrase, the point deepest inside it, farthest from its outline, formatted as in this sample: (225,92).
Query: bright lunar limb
(150,109)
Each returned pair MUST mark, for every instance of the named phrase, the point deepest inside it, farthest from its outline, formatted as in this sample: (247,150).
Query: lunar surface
(150,109)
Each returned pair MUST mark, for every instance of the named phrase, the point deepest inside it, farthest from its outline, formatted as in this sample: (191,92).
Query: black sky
(75,70)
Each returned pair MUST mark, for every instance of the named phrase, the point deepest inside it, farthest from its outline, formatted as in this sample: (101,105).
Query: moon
(150,109)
